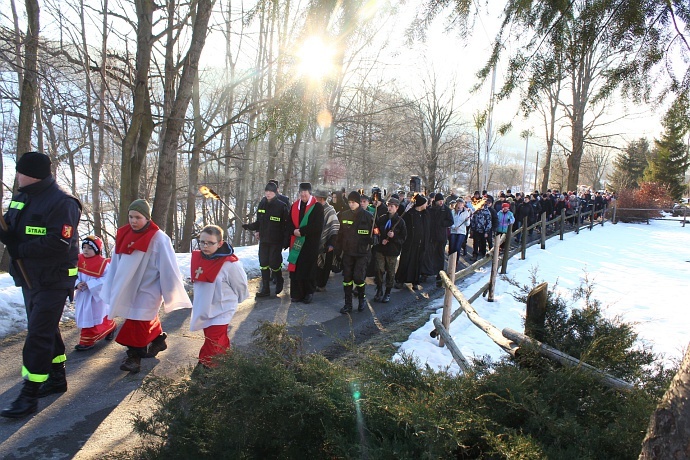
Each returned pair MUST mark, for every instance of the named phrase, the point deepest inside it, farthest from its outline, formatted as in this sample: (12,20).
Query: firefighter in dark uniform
(354,241)
(42,236)
(272,225)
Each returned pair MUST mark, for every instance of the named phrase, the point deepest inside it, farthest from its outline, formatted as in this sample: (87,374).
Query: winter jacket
(440,218)
(505,219)
(460,221)
(525,210)
(354,236)
(271,222)
(43,220)
(481,221)
(397,225)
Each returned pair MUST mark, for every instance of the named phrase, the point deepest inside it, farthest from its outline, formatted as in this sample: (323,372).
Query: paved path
(94,416)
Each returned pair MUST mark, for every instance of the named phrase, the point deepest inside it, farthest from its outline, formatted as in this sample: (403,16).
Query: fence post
(615,206)
(523,241)
(591,220)
(603,216)
(543,230)
(685,213)
(494,268)
(535,317)
(579,219)
(506,251)
(562,223)
(448,298)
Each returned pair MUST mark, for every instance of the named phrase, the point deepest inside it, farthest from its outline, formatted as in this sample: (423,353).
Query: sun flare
(315,58)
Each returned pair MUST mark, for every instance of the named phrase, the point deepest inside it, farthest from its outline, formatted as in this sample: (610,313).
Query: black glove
(12,245)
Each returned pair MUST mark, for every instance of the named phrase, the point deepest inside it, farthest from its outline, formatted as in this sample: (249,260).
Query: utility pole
(525,134)
(485,166)
(536,173)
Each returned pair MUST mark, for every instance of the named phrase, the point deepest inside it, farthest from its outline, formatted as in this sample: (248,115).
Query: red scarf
(206,270)
(127,240)
(294,214)
(92,266)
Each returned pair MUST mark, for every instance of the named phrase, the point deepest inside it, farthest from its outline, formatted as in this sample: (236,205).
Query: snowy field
(641,274)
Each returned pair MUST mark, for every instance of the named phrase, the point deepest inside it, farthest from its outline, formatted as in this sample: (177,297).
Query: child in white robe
(220,284)
(90,312)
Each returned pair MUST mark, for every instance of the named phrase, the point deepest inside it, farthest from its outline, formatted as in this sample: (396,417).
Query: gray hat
(394,201)
(320,193)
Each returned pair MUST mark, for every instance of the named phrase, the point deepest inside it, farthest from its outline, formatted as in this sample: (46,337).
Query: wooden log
(566,360)
(490,330)
(452,347)
(448,298)
(543,230)
(536,311)
(494,267)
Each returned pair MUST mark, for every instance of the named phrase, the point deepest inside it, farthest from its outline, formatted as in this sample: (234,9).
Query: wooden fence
(508,340)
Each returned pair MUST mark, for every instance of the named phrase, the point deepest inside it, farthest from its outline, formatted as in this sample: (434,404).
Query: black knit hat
(305,186)
(94,242)
(271,187)
(438,197)
(34,164)
(419,200)
(354,196)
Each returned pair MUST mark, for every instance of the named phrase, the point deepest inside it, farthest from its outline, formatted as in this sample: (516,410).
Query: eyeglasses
(205,244)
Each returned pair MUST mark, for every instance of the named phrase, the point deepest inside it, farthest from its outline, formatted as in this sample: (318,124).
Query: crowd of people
(403,238)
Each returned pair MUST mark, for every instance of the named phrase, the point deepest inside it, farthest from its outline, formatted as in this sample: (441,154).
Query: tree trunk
(668,434)
(29,91)
(173,126)
(193,180)
(138,135)
(96,163)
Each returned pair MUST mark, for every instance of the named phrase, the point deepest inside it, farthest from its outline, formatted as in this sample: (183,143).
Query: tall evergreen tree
(630,165)
(671,157)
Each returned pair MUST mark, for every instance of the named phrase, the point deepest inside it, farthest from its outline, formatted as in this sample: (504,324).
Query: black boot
(362,298)
(56,383)
(387,296)
(156,346)
(379,294)
(265,289)
(26,403)
(278,277)
(348,299)
(132,363)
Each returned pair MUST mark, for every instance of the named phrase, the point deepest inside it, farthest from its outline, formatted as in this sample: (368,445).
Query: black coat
(525,210)
(440,219)
(394,245)
(355,234)
(271,222)
(43,220)
(312,233)
(412,254)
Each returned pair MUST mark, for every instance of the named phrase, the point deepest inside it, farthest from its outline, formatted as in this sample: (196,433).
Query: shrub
(649,195)
(282,403)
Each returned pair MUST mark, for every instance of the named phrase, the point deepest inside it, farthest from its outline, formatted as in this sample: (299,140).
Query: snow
(640,274)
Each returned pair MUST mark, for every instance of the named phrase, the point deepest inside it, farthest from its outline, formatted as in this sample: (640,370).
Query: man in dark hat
(305,226)
(41,235)
(272,227)
(392,232)
(280,196)
(440,219)
(412,253)
(354,242)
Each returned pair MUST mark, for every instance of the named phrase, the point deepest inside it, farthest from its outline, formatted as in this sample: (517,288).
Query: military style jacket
(271,222)
(44,221)
(354,236)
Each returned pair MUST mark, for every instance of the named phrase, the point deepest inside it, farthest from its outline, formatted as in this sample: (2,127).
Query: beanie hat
(34,164)
(438,197)
(505,205)
(354,196)
(305,186)
(273,181)
(419,200)
(364,197)
(142,207)
(271,187)
(94,242)
(394,201)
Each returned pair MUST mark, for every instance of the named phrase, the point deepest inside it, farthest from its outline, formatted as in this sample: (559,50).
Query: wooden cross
(198,272)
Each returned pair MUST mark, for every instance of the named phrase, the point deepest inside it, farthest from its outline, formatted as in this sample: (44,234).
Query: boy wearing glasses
(143,274)
(220,284)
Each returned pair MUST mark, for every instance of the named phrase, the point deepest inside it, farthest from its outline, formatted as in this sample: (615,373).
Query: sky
(640,273)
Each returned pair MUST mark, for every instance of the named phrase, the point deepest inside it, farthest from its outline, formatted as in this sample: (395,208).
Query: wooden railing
(508,340)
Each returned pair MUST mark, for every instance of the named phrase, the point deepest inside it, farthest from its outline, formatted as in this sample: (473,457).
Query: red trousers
(91,335)
(216,342)
(138,334)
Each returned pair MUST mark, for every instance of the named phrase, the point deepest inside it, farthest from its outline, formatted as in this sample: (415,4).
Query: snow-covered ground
(641,274)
